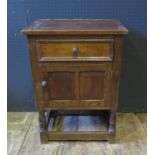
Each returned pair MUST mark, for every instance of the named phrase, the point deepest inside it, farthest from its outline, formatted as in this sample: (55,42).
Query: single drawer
(83,49)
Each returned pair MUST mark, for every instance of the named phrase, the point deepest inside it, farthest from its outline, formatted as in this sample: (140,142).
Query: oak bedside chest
(76,72)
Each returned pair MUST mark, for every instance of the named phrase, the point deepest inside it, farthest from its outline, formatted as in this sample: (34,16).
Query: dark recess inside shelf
(67,121)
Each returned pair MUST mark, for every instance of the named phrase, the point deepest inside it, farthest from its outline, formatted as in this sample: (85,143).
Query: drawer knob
(43,83)
(74,51)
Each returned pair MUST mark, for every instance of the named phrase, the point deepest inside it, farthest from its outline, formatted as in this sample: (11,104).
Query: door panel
(61,85)
(92,85)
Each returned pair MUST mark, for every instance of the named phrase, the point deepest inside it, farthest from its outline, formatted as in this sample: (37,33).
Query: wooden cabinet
(75,67)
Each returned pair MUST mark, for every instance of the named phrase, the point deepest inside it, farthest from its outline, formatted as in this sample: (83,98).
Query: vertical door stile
(107,87)
(77,85)
(44,78)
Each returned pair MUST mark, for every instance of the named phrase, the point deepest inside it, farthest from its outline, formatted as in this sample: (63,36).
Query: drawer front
(83,49)
(73,86)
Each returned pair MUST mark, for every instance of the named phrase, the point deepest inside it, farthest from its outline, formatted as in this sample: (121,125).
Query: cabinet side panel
(35,72)
(116,71)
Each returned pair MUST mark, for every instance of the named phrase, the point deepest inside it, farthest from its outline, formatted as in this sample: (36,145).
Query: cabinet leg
(43,127)
(112,127)
(112,139)
(43,138)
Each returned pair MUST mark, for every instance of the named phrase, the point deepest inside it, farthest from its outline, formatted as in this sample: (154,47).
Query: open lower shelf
(77,123)
(81,125)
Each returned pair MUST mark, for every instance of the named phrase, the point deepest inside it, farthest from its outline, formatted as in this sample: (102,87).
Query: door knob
(43,83)
(74,51)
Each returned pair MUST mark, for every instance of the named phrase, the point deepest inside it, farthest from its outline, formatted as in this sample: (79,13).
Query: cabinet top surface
(74,26)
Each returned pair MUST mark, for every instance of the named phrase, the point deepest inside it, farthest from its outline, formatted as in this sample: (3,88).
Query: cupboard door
(75,86)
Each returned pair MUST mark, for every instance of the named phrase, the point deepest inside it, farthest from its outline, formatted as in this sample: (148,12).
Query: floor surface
(23,138)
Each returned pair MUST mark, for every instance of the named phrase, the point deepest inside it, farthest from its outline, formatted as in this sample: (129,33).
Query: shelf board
(80,123)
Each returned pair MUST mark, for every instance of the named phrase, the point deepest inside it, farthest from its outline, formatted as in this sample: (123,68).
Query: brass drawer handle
(74,51)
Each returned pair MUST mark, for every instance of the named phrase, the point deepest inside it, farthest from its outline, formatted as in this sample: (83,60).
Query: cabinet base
(77,126)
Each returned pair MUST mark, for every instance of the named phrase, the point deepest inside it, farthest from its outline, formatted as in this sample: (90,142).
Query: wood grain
(51,49)
(32,144)
(143,119)
(77,26)
(130,139)
(18,125)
